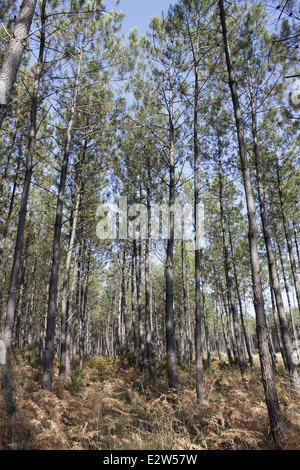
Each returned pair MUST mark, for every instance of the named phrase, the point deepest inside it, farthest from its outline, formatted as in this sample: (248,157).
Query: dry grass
(108,407)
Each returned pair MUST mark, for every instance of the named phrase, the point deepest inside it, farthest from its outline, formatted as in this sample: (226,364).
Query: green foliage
(77,380)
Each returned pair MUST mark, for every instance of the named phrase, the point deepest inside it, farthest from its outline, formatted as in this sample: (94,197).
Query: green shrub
(77,382)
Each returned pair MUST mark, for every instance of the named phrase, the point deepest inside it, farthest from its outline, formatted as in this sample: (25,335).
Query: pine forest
(149,226)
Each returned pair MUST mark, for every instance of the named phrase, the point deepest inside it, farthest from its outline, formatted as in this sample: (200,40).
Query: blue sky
(139,12)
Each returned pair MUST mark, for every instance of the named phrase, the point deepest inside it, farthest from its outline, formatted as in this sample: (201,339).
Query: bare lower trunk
(138,275)
(147,288)
(207,339)
(133,310)
(249,352)
(170,320)
(198,332)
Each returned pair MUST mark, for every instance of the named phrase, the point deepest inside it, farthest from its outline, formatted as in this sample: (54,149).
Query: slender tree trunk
(272,402)
(49,342)
(147,287)
(187,337)
(17,340)
(216,335)
(13,55)
(249,352)
(169,272)
(83,337)
(198,333)
(133,319)
(138,275)
(226,339)
(278,334)
(122,327)
(230,332)
(207,339)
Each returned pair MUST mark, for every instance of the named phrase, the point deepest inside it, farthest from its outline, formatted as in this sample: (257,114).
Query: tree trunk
(205,317)
(169,272)
(14,53)
(272,402)
(198,333)
(122,326)
(147,287)
(133,319)
(249,352)
(83,336)
(138,275)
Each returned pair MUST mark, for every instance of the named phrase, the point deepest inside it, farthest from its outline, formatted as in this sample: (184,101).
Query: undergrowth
(110,405)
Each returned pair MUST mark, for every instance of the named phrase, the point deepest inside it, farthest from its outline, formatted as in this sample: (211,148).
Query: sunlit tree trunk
(13,55)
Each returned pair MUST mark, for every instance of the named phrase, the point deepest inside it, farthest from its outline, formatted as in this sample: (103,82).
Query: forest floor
(108,405)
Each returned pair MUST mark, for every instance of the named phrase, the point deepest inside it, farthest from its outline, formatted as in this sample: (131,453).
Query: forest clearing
(149,226)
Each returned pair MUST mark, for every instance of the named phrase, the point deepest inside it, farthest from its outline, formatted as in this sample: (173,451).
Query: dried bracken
(106,407)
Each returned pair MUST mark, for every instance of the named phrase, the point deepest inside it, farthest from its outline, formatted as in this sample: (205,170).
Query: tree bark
(198,332)
(147,286)
(14,53)
(249,352)
(83,332)
(169,272)
(207,339)
(138,274)
(133,310)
